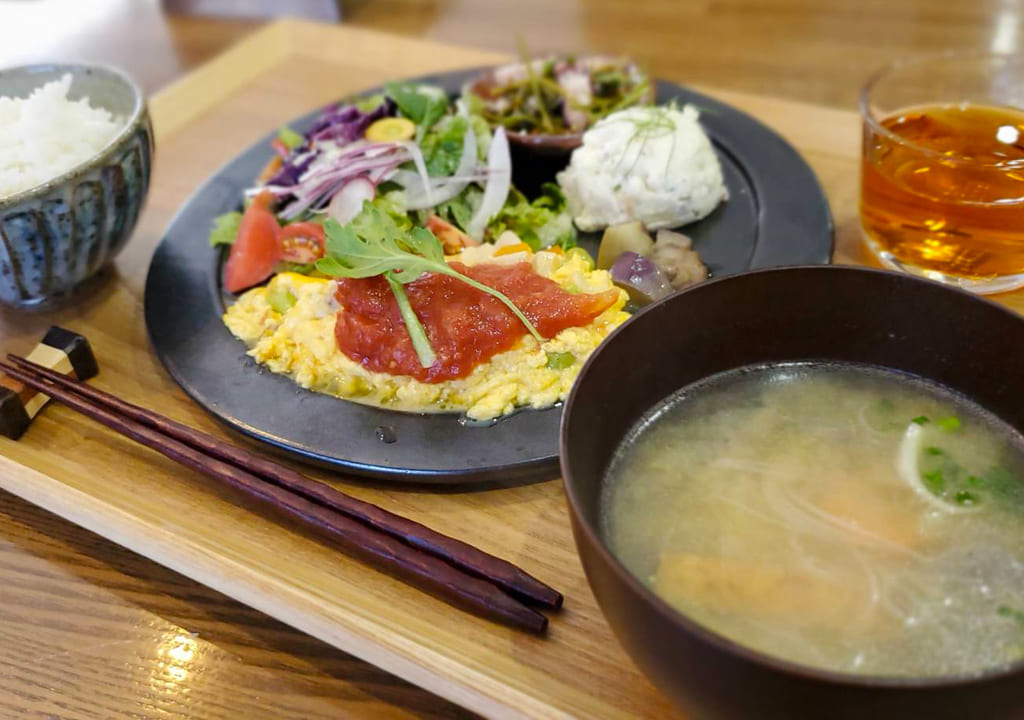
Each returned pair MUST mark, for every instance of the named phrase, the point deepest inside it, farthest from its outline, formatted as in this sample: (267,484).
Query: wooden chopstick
(512,579)
(372,546)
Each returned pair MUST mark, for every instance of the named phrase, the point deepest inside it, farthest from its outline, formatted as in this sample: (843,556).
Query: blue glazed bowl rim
(138,110)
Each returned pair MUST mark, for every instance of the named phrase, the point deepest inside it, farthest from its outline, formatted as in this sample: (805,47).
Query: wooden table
(89,629)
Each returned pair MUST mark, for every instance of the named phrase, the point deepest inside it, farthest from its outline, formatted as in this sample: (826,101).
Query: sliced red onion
(310,194)
(499,181)
(348,201)
(381,174)
(637,272)
(329,163)
(343,165)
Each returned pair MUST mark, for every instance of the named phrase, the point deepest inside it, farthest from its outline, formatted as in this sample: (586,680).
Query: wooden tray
(107,484)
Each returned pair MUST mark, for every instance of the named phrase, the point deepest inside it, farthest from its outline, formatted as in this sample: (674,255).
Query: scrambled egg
(300,342)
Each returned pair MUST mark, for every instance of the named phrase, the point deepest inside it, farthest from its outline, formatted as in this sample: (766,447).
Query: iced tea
(943,189)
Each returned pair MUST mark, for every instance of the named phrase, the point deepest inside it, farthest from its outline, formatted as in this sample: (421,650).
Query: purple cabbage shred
(342,124)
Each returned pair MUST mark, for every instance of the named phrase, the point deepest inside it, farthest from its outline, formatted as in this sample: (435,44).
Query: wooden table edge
(415,663)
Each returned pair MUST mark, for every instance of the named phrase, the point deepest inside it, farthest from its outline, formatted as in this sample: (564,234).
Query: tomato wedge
(257,251)
(301,242)
(450,236)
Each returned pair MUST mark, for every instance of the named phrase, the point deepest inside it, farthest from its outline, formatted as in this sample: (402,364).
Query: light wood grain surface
(115,632)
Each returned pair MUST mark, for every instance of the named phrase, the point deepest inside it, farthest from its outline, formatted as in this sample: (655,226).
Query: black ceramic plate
(776,215)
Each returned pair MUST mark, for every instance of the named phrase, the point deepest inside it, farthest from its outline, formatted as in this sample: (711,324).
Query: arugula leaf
(420,342)
(374,244)
(225,229)
(422,104)
(289,137)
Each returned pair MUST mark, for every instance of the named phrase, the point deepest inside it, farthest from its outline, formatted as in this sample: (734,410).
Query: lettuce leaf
(423,104)
(392,204)
(460,209)
(225,229)
(369,103)
(289,137)
(442,146)
(541,224)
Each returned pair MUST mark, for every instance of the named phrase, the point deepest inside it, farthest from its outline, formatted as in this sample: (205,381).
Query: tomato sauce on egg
(466,327)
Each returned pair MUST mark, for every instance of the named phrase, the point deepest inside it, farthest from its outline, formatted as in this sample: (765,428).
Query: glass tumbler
(942,172)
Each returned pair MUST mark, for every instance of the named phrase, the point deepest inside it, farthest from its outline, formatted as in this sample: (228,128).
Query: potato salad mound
(651,164)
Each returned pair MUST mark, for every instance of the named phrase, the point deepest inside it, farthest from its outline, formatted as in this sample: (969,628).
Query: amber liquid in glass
(957,205)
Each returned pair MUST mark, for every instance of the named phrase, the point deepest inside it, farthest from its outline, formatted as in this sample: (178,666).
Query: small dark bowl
(536,157)
(780,315)
(541,143)
(552,144)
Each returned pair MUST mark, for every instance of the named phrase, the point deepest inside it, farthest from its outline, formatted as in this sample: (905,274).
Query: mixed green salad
(415,155)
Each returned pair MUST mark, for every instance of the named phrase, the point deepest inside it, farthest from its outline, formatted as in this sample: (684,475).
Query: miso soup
(843,517)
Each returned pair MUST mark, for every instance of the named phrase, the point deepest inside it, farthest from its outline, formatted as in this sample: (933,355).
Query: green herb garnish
(950,423)
(1008,612)
(947,479)
(289,137)
(225,229)
(654,123)
(373,244)
(280,299)
(921,420)
(934,481)
(560,360)
(1003,482)
(965,498)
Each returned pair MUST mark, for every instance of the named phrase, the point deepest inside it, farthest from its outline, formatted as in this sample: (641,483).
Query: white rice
(47,134)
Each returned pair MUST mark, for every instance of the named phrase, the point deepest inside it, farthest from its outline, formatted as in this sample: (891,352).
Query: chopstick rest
(61,350)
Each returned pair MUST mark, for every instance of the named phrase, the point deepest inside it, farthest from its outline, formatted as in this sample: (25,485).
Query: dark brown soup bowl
(824,313)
